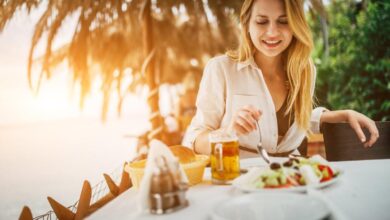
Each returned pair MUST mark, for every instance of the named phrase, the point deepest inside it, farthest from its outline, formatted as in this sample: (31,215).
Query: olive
(288,163)
(275,166)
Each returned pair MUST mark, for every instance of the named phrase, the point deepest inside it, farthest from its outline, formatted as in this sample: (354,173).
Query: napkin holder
(167,188)
(178,196)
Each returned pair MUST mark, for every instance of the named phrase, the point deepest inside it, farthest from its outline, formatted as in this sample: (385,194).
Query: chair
(342,143)
(63,213)
(315,145)
(26,214)
(303,147)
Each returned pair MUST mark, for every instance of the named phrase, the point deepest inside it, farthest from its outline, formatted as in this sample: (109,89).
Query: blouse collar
(249,62)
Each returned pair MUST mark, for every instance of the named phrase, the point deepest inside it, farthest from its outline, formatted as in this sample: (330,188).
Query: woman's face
(268,27)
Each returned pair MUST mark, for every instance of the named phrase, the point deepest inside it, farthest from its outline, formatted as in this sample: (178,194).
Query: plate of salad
(295,175)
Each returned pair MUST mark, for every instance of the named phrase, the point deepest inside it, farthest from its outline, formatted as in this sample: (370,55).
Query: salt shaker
(178,185)
(161,187)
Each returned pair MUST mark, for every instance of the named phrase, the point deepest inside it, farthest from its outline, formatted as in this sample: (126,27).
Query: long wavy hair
(296,58)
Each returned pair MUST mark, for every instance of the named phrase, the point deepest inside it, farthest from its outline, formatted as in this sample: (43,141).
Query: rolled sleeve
(210,103)
(315,119)
(314,76)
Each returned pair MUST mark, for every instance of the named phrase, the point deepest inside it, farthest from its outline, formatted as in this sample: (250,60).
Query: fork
(260,148)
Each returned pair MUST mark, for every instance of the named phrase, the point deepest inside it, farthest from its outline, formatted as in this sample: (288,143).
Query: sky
(18,104)
(56,99)
(48,146)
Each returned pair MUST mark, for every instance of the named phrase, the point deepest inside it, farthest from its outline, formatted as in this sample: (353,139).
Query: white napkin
(157,148)
(336,213)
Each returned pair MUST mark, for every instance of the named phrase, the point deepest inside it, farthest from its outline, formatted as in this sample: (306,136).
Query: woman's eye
(283,22)
(261,22)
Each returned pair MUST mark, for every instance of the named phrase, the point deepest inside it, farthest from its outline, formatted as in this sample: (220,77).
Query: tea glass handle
(219,153)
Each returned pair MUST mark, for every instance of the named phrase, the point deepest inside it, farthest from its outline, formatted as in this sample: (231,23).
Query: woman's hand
(357,121)
(244,120)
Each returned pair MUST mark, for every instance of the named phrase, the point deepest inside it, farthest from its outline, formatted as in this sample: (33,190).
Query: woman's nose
(272,29)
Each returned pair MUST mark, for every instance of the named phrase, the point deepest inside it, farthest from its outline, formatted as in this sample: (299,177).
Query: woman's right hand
(244,120)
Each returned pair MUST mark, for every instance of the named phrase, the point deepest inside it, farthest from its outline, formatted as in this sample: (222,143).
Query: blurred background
(83,84)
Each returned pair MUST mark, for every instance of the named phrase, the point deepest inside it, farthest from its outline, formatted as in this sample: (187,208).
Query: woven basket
(194,170)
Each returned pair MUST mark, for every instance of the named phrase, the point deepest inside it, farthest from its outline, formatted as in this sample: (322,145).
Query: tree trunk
(153,97)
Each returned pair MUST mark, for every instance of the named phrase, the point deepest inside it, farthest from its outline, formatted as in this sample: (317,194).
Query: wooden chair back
(342,143)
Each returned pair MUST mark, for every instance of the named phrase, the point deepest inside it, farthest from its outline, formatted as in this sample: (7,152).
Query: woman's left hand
(357,121)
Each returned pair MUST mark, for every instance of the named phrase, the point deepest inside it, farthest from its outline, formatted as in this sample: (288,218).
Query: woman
(269,78)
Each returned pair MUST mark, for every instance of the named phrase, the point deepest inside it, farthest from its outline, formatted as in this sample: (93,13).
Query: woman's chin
(271,53)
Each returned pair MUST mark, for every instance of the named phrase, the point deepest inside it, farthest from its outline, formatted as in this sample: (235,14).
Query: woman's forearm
(202,145)
(334,116)
(357,122)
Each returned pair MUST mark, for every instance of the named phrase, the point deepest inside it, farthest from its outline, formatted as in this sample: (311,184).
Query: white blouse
(226,86)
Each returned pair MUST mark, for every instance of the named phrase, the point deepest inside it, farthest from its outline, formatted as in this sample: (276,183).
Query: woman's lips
(271,43)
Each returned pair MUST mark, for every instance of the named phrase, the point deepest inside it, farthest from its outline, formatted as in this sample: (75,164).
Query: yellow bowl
(193,170)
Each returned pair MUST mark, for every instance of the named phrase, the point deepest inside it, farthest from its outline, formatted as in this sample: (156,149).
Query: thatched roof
(108,35)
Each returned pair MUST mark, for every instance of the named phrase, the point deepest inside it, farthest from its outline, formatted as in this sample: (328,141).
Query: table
(363,192)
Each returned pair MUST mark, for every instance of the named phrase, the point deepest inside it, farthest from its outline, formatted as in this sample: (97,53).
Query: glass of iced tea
(225,159)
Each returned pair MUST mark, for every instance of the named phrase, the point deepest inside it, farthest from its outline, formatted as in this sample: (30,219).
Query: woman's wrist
(335,116)
(323,117)
(201,143)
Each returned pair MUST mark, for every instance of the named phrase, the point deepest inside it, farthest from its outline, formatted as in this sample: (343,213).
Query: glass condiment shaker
(161,187)
(177,183)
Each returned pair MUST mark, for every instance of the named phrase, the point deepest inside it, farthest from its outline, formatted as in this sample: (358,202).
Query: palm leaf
(108,39)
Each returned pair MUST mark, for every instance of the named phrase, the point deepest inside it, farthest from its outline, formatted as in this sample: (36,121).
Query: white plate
(242,183)
(275,206)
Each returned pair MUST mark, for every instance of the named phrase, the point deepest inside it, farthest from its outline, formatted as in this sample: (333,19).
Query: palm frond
(108,38)
(9,8)
(40,27)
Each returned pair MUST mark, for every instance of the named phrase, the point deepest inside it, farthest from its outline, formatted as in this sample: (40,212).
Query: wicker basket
(194,170)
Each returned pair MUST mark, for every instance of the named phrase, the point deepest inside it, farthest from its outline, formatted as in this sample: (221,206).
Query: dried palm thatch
(110,37)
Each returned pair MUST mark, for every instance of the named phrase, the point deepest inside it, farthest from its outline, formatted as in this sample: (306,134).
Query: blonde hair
(297,61)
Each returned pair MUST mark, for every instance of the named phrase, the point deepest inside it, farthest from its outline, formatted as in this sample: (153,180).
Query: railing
(98,191)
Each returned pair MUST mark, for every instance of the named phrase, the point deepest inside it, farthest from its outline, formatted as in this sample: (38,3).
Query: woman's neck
(270,66)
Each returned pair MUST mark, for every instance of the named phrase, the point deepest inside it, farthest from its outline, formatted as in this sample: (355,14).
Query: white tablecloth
(363,192)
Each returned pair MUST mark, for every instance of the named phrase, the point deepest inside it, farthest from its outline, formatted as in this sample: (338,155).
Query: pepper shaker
(161,187)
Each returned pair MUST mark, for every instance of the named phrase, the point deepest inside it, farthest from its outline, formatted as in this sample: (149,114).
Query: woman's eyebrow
(265,16)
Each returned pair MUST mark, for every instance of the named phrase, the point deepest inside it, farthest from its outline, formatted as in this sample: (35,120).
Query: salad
(297,171)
